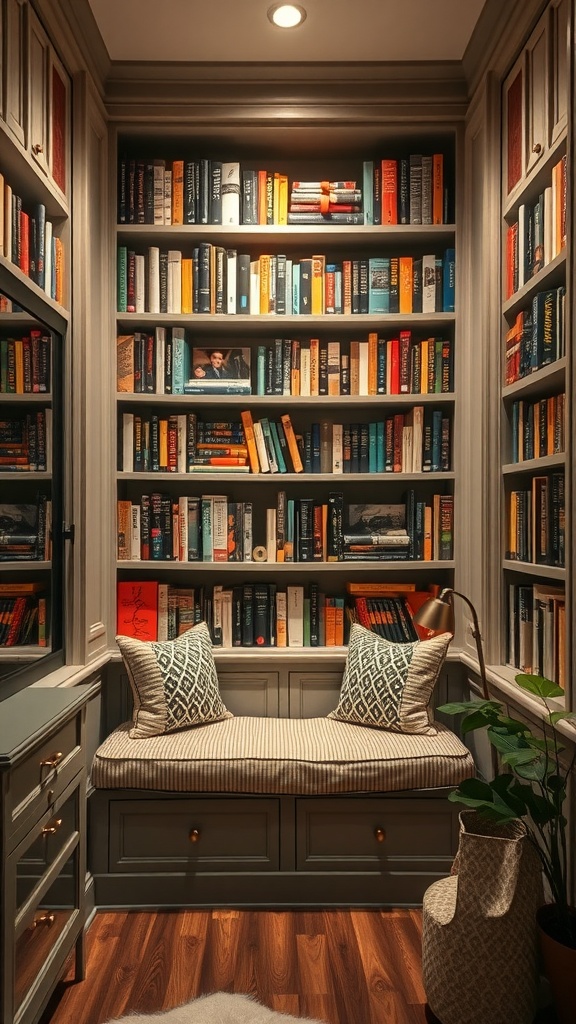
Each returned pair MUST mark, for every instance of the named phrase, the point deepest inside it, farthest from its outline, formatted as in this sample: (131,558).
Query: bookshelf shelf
(530,187)
(290,478)
(531,466)
(295,234)
(271,323)
(551,275)
(221,569)
(375,402)
(544,381)
(552,572)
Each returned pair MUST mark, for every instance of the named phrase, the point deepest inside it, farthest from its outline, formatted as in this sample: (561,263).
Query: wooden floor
(341,966)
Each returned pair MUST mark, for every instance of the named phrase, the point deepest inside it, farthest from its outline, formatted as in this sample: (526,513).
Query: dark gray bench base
(152,849)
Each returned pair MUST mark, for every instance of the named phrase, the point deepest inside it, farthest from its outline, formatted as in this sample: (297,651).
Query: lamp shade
(437,614)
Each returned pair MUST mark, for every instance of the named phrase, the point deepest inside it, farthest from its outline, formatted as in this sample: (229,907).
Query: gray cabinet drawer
(42,776)
(371,834)
(215,834)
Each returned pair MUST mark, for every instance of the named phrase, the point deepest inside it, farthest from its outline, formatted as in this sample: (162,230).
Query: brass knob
(380,835)
(47,919)
(37,148)
(50,830)
(53,760)
(537,147)
(194,836)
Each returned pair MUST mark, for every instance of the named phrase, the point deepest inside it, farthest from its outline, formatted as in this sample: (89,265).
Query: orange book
(59,265)
(283,199)
(438,188)
(339,623)
(424,366)
(42,638)
(248,425)
(123,529)
(187,285)
(389,192)
(264,263)
(177,191)
(318,266)
(372,363)
(406,272)
(330,623)
(314,366)
(262,176)
(292,444)
(347,286)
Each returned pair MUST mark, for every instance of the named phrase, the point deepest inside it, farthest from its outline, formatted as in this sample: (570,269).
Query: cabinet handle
(50,830)
(380,835)
(37,148)
(537,147)
(194,836)
(53,760)
(47,919)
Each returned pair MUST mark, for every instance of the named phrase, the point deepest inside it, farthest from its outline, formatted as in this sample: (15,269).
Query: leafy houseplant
(533,788)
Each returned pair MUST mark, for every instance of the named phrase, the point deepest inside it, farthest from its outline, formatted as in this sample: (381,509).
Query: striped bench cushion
(281,755)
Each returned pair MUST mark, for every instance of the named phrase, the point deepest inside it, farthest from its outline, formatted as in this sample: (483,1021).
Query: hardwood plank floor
(341,966)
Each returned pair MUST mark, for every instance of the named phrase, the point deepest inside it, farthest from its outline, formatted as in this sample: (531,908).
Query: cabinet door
(559,69)
(514,126)
(38,64)
(14,108)
(58,122)
(537,94)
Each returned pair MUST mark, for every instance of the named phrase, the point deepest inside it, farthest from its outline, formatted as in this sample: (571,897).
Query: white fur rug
(218,1008)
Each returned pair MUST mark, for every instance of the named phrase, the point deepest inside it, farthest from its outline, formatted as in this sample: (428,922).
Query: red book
(137,611)
(24,255)
(389,192)
(393,362)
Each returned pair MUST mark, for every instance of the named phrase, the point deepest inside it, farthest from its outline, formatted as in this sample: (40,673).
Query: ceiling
(334,30)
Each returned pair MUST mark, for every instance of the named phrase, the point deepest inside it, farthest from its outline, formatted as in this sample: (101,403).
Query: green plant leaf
(557,716)
(512,725)
(506,743)
(493,799)
(539,686)
(461,707)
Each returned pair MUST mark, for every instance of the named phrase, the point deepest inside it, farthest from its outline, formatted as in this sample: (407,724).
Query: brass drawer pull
(50,830)
(53,760)
(380,835)
(537,147)
(194,836)
(47,919)
(37,148)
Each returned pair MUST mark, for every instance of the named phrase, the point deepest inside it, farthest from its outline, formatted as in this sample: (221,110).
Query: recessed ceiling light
(286,15)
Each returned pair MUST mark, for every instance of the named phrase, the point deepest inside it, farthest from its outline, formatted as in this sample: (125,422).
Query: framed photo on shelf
(221,364)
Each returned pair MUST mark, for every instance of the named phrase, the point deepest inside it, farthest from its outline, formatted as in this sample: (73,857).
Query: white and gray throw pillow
(174,682)
(389,685)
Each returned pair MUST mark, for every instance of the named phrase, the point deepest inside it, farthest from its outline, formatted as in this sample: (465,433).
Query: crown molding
(494,43)
(75,34)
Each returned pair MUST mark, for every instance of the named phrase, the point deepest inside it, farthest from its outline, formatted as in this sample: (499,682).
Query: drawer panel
(205,835)
(372,834)
(38,780)
(56,833)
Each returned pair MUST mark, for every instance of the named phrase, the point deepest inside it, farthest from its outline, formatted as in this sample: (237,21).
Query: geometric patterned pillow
(174,682)
(389,685)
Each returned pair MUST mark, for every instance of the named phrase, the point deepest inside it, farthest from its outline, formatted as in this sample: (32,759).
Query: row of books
(215,528)
(408,189)
(537,630)
(416,440)
(213,280)
(25,363)
(25,441)
(25,531)
(538,427)
(260,614)
(27,239)
(377,366)
(539,233)
(162,363)
(537,336)
(22,620)
(536,521)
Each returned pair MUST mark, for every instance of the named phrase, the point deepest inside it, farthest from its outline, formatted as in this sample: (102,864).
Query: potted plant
(532,787)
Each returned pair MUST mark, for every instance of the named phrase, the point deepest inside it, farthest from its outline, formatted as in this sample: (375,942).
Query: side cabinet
(43,838)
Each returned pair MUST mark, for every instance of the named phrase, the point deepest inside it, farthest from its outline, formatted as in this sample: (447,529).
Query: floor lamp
(438,614)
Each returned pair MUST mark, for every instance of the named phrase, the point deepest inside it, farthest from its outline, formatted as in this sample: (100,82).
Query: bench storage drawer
(363,833)
(212,834)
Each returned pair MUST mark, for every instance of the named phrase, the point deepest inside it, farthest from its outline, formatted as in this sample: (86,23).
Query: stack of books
(330,202)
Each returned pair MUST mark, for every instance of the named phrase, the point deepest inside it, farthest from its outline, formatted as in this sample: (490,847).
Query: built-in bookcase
(536,357)
(291,548)
(34,319)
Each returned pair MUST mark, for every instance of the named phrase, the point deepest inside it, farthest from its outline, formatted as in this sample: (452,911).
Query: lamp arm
(477,637)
